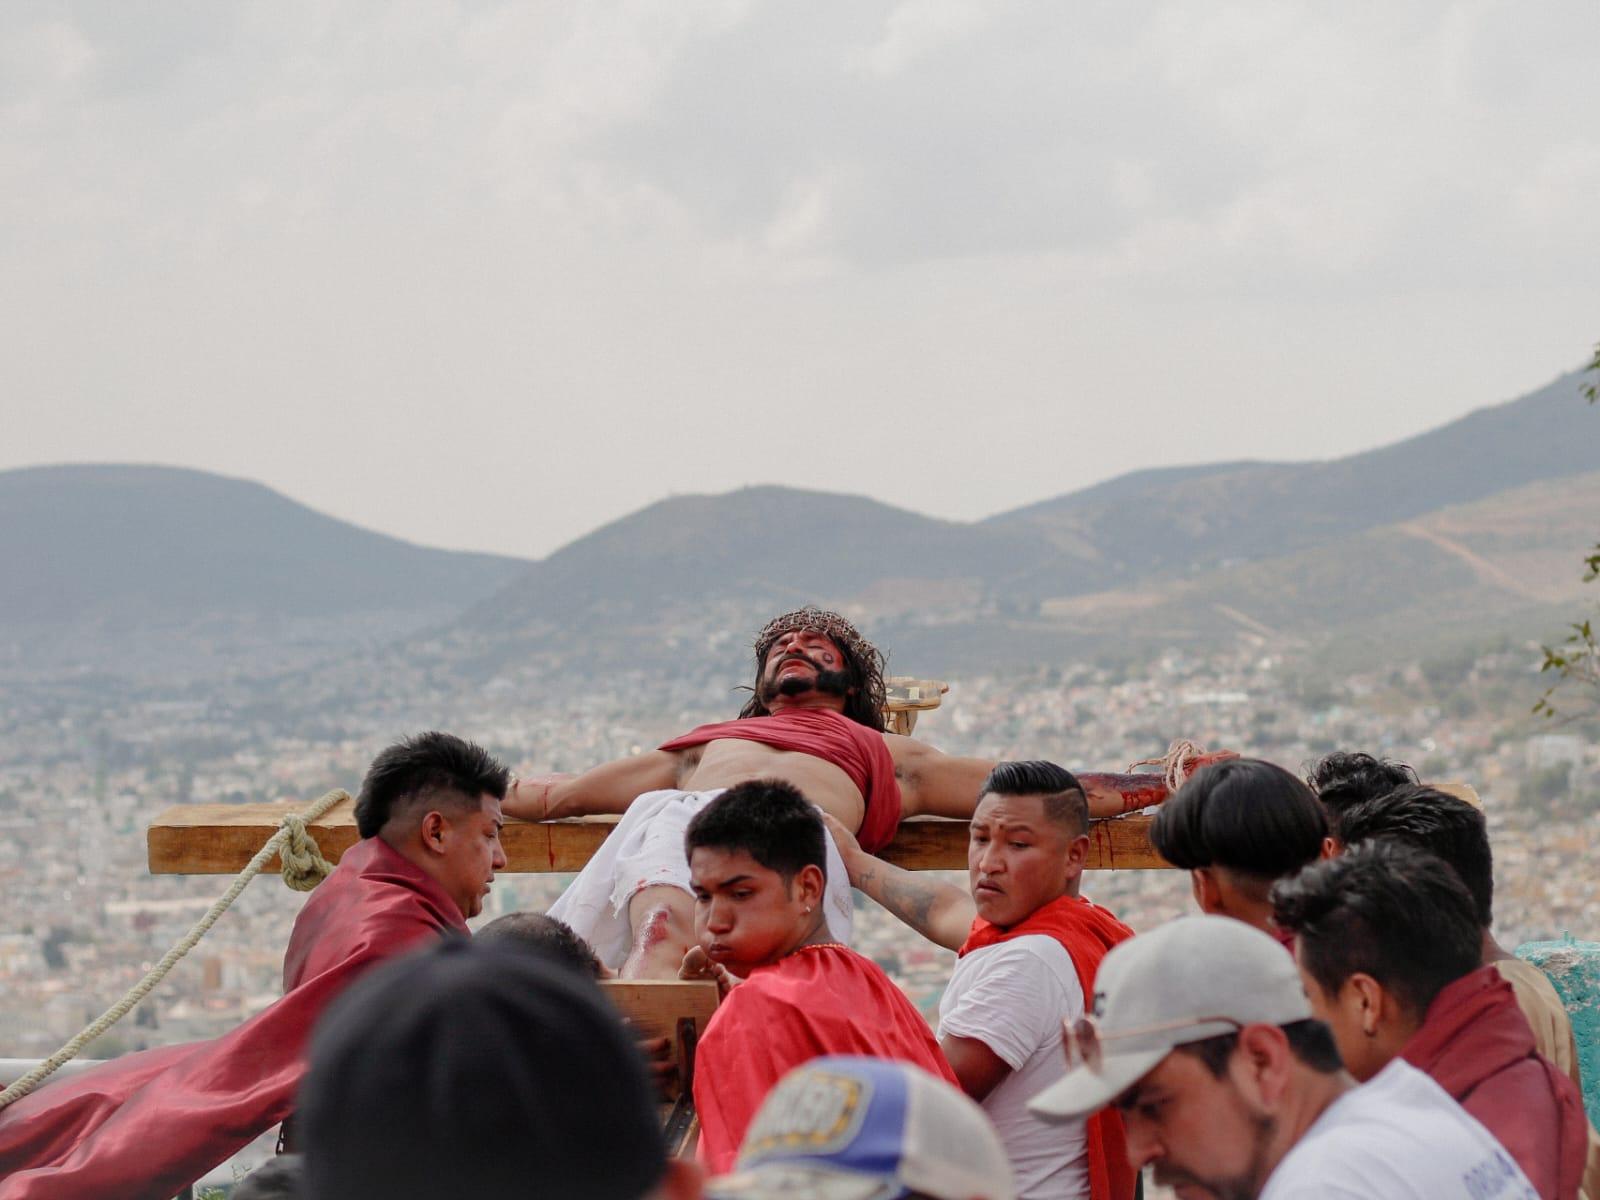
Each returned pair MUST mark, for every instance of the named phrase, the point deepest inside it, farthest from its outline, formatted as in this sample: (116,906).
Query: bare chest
(728,761)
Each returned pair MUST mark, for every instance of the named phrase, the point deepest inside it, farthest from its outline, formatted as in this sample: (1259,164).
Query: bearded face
(800,662)
(815,652)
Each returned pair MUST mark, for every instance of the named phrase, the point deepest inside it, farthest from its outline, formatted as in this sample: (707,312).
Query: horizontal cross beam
(219,839)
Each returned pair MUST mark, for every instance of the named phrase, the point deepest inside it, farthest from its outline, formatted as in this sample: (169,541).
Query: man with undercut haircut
(756,856)
(149,1124)
(1390,949)
(1029,947)
(814,720)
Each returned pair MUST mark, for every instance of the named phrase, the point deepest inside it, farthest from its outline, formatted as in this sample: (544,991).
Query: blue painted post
(1574,969)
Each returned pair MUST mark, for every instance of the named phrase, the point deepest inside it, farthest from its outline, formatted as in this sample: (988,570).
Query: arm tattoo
(910,899)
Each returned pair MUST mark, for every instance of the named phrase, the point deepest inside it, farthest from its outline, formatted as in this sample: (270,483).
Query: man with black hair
(1237,827)
(481,1071)
(149,1124)
(1029,947)
(1203,1039)
(1349,777)
(815,720)
(1445,825)
(1389,945)
(546,935)
(756,857)
(1438,823)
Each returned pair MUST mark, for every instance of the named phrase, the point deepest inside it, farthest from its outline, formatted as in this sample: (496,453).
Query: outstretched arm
(942,785)
(939,911)
(608,788)
(933,783)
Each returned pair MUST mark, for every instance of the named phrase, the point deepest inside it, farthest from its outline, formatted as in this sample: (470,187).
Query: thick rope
(303,868)
(1176,764)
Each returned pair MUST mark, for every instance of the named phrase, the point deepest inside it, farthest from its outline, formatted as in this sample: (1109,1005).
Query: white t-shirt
(1402,1137)
(1012,997)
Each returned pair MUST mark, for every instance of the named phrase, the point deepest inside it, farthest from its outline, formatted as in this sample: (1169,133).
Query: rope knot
(303,864)
(1180,761)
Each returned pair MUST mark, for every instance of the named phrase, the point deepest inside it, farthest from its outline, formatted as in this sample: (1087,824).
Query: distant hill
(768,544)
(1179,554)
(110,548)
(1182,520)
(1475,525)
(1510,557)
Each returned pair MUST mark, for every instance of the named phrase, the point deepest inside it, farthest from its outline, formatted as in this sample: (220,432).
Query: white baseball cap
(847,1128)
(1188,980)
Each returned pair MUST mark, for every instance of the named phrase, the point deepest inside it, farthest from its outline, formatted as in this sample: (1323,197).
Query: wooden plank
(671,1008)
(219,839)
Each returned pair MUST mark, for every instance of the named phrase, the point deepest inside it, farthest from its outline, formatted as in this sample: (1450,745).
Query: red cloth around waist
(859,752)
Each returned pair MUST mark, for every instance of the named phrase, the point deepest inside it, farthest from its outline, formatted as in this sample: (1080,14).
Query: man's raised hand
(855,858)
(697,964)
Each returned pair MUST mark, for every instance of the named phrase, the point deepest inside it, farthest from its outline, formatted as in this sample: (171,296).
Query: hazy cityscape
(83,771)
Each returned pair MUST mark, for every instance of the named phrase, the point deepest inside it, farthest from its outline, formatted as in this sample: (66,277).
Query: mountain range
(1471,527)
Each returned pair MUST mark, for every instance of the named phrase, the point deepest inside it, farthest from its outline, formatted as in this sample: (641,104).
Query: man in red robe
(756,856)
(149,1124)
(1389,946)
(1029,949)
(815,720)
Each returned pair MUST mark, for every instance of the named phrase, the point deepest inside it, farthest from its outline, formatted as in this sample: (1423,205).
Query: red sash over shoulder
(1087,931)
(859,752)
(1478,1046)
(146,1125)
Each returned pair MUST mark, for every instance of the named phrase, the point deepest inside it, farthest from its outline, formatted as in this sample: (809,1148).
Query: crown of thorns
(819,620)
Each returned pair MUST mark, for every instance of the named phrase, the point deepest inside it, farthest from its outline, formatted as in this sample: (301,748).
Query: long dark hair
(863,663)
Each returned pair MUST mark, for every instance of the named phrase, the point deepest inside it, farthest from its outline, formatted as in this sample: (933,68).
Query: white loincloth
(646,850)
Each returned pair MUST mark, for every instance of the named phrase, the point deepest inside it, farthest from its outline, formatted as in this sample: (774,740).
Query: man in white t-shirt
(1028,946)
(1202,1037)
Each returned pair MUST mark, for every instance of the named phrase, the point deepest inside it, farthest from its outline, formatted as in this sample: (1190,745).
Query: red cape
(859,752)
(819,1000)
(1086,931)
(1477,1045)
(147,1125)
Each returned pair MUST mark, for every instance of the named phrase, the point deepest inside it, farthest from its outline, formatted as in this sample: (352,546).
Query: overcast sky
(488,275)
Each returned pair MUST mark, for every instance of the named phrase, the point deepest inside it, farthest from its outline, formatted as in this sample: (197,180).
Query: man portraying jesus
(755,857)
(815,721)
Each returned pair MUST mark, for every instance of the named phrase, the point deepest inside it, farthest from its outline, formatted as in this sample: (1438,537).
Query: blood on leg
(662,919)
